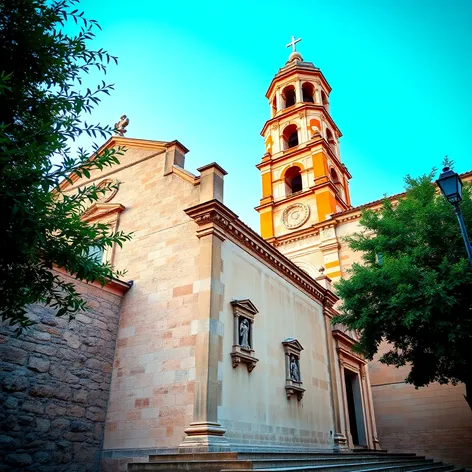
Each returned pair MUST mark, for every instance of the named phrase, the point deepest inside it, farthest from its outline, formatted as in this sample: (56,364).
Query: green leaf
(42,106)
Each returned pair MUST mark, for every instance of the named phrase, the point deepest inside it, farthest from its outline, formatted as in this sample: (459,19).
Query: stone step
(258,464)
(398,464)
(316,455)
(438,467)
(194,465)
(190,456)
(409,468)
(268,463)
(266,459)
(215,456)
(378,466)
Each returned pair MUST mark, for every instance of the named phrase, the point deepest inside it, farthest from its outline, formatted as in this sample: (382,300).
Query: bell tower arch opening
(288,94)
(337,182)
(308,92)
(293,181)
(331,140)
(290,136)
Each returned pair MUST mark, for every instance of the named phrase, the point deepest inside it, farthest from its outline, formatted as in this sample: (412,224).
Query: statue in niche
(244,334)
(294,370)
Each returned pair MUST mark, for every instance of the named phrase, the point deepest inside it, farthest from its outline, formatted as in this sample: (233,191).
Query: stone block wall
(152,393)
(54,387)
(434,421)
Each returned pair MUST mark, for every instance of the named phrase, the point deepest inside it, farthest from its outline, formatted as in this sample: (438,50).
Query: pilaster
(340,441)
(205,433)
(330,248)
(370,405)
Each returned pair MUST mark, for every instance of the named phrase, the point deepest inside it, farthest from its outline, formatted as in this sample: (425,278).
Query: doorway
(354,408)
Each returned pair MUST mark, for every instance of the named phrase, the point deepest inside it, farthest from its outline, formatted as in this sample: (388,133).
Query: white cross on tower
(293,43)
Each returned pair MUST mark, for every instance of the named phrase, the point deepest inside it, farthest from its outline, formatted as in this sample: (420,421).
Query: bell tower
(303,178)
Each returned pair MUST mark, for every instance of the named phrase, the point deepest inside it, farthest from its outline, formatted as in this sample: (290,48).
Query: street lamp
(451,186)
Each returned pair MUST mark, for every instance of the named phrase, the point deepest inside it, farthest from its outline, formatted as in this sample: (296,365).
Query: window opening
(289,96)
(308,92)
(293,181)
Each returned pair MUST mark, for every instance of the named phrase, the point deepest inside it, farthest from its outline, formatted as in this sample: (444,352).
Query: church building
(221,339)
(224,343)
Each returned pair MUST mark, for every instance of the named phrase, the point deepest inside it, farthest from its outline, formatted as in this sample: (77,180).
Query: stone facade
(434,421)
(173,381)
(55,382)
(174,385)
(254,406)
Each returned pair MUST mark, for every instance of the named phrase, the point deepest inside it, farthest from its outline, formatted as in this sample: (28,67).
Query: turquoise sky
(401,73)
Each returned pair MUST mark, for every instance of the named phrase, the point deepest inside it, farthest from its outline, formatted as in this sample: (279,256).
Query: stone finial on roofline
(120,126)
(211,182)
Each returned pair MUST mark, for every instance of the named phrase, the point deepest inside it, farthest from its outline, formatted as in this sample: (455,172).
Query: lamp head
(451,185)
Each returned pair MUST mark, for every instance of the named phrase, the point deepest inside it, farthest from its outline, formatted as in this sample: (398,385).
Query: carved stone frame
(109,214)
(292,348)
(240,354)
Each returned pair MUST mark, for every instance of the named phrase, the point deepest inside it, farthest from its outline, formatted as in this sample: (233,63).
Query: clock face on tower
(295,215)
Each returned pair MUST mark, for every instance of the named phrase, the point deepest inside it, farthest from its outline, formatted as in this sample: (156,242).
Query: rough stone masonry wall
(54,387)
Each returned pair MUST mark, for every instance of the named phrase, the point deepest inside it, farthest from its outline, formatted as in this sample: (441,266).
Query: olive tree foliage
(45,54)
(414,287)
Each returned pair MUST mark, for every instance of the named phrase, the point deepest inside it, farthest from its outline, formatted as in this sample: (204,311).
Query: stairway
(289,462)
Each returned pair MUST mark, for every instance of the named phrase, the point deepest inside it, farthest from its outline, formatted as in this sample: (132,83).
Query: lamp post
(451,186)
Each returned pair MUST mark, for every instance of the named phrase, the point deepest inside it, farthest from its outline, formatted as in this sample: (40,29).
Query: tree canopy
(413,288)
(44,46)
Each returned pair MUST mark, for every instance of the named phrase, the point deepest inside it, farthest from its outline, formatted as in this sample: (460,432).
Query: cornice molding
(120,141)
(115,286)
(344,344)
(302,68)
(185,175)
(215,218)
(283,200)
(303,148)
(297,108)
(312,234)
(314,229)
(100,210)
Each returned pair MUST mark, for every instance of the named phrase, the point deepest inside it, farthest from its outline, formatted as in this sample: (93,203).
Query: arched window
(337,182)
(288,95)
(334,176)
(331,140)
(324,99)
(308,92)
(293,181)
(290,136)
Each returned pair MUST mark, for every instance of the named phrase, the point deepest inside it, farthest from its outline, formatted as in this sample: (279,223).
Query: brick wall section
(434,421)
(55,381)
